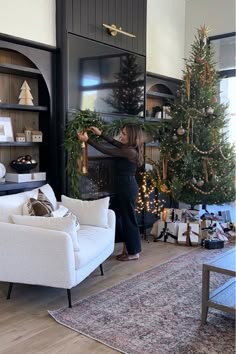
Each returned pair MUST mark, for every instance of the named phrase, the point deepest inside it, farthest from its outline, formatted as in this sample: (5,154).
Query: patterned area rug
(156,312)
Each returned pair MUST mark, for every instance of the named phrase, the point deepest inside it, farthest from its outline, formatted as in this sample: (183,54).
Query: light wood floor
(26,327)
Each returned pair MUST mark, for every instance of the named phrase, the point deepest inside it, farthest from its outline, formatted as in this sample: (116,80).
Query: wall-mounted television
(105,79)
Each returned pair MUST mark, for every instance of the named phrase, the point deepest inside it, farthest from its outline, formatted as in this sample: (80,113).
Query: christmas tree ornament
(174,137)
(214,179)
(194,181)
(164,188)
(187,81)
(203,33)
(180,130)
(210,110)
(214,99)
(199,59)
(83,160)
(200,182)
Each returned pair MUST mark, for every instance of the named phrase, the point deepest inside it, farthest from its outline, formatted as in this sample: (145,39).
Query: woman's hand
(82,136)
(95,130)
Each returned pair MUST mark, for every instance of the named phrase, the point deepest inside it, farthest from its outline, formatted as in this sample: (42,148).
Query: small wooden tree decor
(25,96)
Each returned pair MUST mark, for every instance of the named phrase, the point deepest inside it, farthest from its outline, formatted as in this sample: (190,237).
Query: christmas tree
(197,163)
(127,96)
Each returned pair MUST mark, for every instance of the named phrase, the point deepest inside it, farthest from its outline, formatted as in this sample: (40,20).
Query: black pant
(124,204)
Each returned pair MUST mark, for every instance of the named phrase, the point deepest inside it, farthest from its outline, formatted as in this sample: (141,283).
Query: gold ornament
(164,188)
(83,160)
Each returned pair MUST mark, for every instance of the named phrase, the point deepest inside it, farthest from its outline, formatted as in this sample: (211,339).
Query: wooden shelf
(22,107)
(15,143)
(10,186)
(19,70)
(159,94)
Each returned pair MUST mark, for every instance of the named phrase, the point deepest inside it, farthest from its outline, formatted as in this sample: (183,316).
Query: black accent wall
(85,18)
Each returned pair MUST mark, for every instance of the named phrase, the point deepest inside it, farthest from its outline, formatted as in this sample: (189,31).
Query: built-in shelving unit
(160,92)
(17,64)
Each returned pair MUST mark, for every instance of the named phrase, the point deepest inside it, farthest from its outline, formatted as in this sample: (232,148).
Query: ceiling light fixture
(113,30)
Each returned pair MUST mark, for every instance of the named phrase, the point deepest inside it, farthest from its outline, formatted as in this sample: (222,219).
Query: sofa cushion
(48,191)
(94,240)
(92,212)
(13,204)
(67,225)
(62,211)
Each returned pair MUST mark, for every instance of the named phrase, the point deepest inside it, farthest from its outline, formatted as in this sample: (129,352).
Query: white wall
(165,37)
(219,15)
(34,20)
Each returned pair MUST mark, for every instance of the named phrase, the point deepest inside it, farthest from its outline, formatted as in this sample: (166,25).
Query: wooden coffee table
(223,298)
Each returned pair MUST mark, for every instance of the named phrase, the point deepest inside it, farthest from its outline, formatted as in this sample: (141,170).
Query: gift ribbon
(165,233)
(187,233)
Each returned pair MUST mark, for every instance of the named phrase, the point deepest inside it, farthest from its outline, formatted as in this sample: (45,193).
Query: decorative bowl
(21,167)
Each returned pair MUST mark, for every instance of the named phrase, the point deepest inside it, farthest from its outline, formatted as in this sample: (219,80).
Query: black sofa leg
(69,297)
(101,269)
(9,291)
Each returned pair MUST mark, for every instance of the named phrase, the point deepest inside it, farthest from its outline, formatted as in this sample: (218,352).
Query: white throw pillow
(62,211)
(13,204)
(48,191)
(94,212)
(67,225)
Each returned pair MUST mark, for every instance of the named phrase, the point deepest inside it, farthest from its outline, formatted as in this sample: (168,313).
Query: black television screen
(105,79)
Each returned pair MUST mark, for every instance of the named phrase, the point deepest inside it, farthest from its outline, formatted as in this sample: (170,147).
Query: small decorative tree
(197,163)
(25,96)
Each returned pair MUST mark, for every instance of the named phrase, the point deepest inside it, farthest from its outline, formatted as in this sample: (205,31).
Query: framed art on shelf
(6,131)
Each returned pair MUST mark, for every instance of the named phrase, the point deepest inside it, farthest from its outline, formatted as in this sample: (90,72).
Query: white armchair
(41,256)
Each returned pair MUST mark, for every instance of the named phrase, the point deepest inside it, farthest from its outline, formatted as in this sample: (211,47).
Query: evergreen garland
(81,120)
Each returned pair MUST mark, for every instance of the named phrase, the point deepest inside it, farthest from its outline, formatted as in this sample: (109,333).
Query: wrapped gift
(171,215)
(190,215)
(167,231)
(207,228)
(188,234)
(213,230)
(154,229)
(212,244)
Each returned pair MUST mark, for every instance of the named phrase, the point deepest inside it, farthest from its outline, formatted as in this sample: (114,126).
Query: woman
(129,154)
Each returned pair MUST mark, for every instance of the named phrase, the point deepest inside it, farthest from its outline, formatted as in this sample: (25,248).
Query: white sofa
(42,256)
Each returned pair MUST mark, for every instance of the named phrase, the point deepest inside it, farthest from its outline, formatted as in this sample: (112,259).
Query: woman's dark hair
(135,139)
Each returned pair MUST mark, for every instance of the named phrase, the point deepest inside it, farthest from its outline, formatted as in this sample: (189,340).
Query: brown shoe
(120,256)
(129,257)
